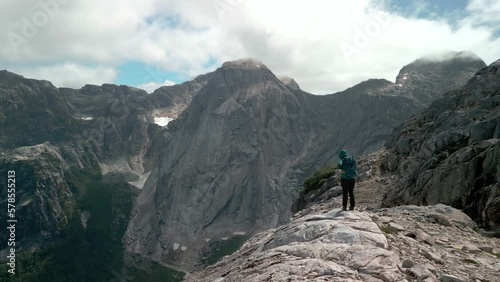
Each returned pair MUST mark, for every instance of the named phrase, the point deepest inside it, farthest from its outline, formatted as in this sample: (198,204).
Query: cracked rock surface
(335,245)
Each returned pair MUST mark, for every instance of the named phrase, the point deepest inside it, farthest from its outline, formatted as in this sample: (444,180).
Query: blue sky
(326,46)
(137,73)
(444,9)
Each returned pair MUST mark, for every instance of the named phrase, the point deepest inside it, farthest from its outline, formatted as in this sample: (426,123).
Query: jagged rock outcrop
(171,101)
(290,82)
(44,200)
(450,153)
(115,119)
(241,150)
(439,243)
(32,112)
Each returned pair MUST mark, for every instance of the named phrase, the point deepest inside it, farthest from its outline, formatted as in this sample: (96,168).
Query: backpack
(349,167)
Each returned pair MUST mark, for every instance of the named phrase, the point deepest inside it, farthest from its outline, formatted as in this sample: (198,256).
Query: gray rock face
(290,82)
(44,201)
(324,244)
(226,166)
(115,119)
(451,70)
(450,153)
(48,132)
(425,262)
(25,118)
(115,122)
(171,101)
(343,246)
(241,150)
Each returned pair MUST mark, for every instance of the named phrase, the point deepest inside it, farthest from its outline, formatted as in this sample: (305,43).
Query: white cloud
(150,87)
(484,11)
(69,75)
(301,39)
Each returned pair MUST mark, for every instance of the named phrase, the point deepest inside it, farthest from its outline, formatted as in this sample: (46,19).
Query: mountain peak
(246,63)
(453,60)
(290,82)
(454,68)
(495,63)
(450,56)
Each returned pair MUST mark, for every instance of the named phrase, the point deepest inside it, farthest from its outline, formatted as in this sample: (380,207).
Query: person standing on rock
(348,178)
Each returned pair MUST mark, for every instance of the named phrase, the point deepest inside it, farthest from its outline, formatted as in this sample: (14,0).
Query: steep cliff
(450,153)
(44,200)
(50,134)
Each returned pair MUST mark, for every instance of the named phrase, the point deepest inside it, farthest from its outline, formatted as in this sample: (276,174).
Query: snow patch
(176,246)
(139,184)
(240,233)
(184,248)
(207,240)
(84,217)
(163,121)
(405,77)
(84,118)
(224,238)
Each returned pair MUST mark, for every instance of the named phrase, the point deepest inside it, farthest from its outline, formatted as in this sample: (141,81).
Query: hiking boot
(351,208)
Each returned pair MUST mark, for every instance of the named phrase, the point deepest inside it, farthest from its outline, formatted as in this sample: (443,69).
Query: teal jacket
(343,154)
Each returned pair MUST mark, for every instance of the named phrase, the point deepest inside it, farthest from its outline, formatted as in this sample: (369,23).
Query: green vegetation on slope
(154,273)
(317,180)
(94,253)
(218,249)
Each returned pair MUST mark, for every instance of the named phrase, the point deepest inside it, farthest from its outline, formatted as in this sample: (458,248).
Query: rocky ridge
(450,153)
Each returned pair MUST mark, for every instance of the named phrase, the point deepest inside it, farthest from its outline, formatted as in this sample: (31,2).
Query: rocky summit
(406,243)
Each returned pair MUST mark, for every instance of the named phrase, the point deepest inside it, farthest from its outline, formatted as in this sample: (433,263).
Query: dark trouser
(347,187)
